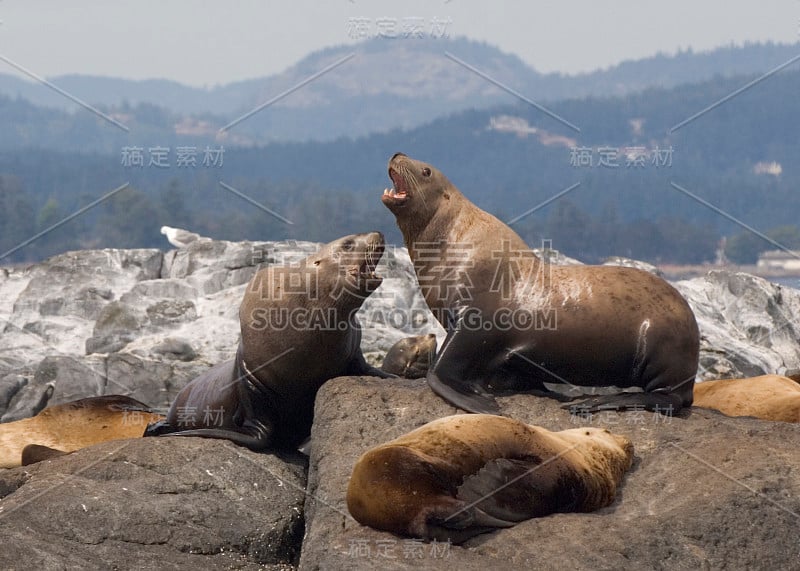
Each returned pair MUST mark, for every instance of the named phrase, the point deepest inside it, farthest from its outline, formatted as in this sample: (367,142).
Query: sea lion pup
(298,330)
(769,397)
(74,425)
(411,357)
(462,475)
(515,322)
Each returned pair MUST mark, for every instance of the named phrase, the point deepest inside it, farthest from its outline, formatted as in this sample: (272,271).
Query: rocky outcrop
(156,503)
(706,491)
(143,323)
(748,326)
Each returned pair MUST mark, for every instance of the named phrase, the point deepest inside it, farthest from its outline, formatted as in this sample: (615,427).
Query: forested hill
(741,157)
(371,87)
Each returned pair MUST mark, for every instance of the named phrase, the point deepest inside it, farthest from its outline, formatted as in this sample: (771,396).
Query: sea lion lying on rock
(770,397)
(463,475)
(64,428)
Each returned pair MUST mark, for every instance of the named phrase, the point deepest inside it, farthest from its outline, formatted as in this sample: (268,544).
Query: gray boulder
(154,503)
(705,491)
(748,326)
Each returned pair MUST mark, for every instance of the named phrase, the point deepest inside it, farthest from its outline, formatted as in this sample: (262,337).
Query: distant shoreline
(675,272)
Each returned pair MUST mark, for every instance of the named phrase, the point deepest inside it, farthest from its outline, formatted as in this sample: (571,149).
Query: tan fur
(769,397)
(72,426)
(592,325)
(402,485)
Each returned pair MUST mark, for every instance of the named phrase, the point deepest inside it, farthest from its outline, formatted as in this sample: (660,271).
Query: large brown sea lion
(298,330)
(770,397)
(67,427)
(467,474)
(515,322)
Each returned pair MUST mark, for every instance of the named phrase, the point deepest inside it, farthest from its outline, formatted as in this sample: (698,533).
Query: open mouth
(398,194)
(366,271)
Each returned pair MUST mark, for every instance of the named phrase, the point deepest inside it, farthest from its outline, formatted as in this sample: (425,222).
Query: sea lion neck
(430,229)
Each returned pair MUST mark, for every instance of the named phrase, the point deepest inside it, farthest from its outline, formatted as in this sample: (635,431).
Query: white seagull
(180,238)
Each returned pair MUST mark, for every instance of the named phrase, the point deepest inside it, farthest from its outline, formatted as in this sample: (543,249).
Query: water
(792,281)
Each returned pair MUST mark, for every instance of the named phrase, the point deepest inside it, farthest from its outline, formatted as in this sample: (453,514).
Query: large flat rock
(153,503)
(705,492)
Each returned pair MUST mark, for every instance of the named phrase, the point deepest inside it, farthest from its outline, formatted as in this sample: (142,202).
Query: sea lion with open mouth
(298,330)
(515,322)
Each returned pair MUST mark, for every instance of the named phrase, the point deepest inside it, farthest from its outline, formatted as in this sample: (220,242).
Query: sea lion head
(418,192)
(346,267)
(411,357)
(611,451)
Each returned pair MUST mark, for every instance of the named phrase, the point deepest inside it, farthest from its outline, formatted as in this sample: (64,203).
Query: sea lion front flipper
(34,453)
(448,376)
(359,366)
(513,490)
(665,403)
(462,523)
(253,442)
(158,428)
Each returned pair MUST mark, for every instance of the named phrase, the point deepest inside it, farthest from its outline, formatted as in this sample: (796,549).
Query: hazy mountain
(386,84)
(512,160)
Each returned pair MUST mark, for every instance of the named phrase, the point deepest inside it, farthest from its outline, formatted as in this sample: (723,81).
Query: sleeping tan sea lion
(463,475)
(770,397)
(74,425)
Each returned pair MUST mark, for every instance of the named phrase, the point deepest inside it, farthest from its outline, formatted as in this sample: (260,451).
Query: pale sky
(206,43)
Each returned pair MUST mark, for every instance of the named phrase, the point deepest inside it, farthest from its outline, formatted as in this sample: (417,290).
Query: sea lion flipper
(513,490)
(449,379)
(254,435)
(120,403)
(359,366)
(253,442)
(663,402)
(477,401)
(34,453)
(158,428)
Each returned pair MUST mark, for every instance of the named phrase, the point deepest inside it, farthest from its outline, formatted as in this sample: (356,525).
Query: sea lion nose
(394,156)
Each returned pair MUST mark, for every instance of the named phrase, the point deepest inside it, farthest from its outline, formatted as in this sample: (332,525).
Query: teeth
(388,192)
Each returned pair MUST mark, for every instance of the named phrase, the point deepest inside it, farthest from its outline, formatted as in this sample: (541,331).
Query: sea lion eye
(347,246)
(426,171)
